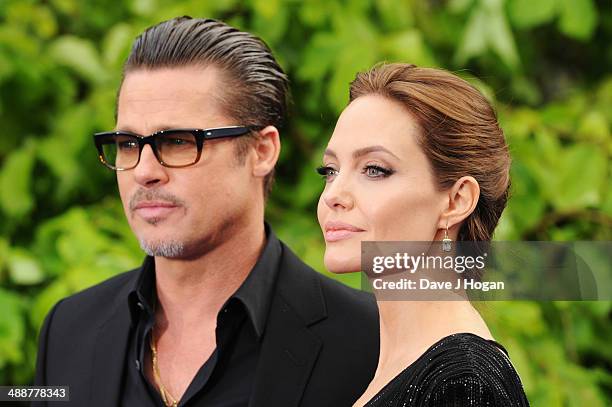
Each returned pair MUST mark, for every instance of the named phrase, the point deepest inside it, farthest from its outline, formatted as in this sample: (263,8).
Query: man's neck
(194,290)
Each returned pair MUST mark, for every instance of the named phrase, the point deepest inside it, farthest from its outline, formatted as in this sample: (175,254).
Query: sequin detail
(459,370)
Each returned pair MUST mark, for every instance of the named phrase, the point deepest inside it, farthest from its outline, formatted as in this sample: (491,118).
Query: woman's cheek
(401,216)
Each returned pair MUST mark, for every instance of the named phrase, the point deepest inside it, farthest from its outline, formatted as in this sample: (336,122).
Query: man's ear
(267,149)
(462,200)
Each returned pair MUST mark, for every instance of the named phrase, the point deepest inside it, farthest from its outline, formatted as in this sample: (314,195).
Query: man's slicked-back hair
(254,90)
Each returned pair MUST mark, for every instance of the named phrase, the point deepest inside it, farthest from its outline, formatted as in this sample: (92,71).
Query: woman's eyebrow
(362,151)
(330,152)
(372,149)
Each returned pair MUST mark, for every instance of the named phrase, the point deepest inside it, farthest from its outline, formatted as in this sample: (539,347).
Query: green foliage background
(545,65)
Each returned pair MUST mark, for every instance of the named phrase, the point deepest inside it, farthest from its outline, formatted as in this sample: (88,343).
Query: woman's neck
(409,328)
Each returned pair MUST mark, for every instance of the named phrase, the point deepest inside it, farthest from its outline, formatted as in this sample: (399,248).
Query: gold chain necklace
(168,399)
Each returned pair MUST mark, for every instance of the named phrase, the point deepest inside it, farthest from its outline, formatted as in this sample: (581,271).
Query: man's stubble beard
(169,249)
(190,247)
(162,248)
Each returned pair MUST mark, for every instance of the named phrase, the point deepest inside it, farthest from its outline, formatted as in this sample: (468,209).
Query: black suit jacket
(320,346)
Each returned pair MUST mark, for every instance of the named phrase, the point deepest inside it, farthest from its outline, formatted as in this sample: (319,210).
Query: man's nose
(149,171)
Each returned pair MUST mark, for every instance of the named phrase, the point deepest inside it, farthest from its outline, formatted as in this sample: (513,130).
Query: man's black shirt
(227,377)
(319,347)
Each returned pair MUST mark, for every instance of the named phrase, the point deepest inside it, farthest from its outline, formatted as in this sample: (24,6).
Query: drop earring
(446,242)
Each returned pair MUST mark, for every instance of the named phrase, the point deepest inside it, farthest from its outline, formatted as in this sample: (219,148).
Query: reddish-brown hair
(460,134)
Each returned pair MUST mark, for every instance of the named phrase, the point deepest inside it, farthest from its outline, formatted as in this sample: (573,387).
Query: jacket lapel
(288,352)
(289,348)
(109,357)
(287,357)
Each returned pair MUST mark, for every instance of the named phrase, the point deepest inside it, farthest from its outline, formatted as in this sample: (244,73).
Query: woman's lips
(335,231)
(335,235)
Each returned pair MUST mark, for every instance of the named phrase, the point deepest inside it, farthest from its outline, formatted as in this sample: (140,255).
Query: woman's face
(379,184)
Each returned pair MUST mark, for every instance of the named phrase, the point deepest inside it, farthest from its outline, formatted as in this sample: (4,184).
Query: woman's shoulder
(468,347)
(466,367)
(459,369)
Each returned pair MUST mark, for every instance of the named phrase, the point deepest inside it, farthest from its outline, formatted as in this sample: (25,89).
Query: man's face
(181,212)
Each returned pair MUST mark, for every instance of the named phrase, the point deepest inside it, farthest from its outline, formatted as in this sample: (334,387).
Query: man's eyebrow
(130,129)
(363,151)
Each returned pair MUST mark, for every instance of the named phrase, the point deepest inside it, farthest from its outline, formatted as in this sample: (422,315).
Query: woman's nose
(338,195)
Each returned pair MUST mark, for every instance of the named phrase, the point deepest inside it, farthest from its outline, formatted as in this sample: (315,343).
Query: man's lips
(154,209)
(335,231)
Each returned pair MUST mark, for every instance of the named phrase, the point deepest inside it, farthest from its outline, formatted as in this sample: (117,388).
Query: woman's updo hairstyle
(460,134)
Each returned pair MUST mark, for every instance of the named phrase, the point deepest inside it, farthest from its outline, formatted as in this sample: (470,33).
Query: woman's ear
(267,149)
(462,200)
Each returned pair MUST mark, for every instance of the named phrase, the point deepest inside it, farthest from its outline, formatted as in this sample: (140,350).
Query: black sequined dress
(459,370)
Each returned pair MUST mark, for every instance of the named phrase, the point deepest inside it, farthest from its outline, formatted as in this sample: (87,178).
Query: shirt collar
(142,296)
(255,293)
(257,289)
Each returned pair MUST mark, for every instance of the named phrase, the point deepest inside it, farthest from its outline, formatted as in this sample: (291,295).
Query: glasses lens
(177,148)
(121,151)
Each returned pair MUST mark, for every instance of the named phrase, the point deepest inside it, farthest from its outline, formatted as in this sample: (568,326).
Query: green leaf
(594,127)
(526,90)
(81,277)
(527,204)
(474,41)
(62,150)
(69,7)
(578,18)
(537,155)
(395,14)
(315,12)
(45,300)
(521,317)
(581,175)
(319,56)
(408,46)
(309,187)
(501,39)
(80,55)
(4,254)
(350,59)
(607,204)
(24,268)
(604,97)
(116,44)
(520,123)
(459,6)
(143,7)
(271,21)
(16,39)
(529,13)
(268,9)
(487,28)
(12,328)
(16,199)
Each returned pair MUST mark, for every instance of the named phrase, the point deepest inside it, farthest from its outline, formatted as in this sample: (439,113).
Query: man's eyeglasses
(175,148)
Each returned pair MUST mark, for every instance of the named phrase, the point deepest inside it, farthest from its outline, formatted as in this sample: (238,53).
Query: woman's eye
(327,172)
(376,171)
